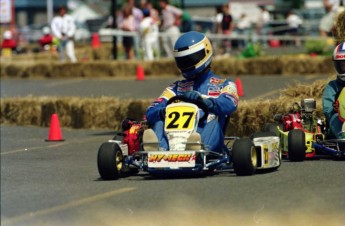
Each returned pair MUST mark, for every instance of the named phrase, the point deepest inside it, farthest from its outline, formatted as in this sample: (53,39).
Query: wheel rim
(253,156)
(118,160)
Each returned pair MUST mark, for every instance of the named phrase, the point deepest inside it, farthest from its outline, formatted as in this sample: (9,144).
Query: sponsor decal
(231,90)
(185,84)
(214,91)
(184,89)
(338,56)
(159,100)
(171,157)
(216,81)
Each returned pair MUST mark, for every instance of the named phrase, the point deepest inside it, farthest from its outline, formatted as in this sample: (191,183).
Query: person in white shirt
(333,8)
(149,33)
(294,22)
(63,28)
(243,27)
(262,28)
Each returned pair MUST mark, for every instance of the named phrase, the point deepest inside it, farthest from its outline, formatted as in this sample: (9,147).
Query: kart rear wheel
(272,127)
(244,157)
(110,161)
(296,145)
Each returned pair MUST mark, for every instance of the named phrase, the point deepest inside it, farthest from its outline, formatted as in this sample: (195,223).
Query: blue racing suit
(332,90)
(223,97)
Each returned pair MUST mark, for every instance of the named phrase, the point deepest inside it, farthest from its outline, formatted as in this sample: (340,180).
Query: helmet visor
(340,66)
(189,61)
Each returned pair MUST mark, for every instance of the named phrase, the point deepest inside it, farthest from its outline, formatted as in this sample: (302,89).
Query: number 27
(176,116)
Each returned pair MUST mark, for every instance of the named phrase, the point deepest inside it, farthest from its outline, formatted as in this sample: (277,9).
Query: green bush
(317,46)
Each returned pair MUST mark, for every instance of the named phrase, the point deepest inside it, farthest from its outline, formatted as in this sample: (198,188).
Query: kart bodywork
(244,156)
(303,135)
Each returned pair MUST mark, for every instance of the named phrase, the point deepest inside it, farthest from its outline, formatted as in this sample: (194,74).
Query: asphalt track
(268,86)
(57,183)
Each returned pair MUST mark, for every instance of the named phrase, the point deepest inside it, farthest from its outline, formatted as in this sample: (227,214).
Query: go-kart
(244,156)
(303,135)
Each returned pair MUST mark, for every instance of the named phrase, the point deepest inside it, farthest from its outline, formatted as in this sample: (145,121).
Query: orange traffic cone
(140,73)
(95,41)
(55,130)
(239,87)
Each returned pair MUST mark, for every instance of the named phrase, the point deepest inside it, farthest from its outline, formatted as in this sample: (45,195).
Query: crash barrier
(108,112)
(224,66)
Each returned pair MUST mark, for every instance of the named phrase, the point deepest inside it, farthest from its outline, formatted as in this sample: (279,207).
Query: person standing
(149,32)
(243,27)
(171,19)
(225,26)
(63,28)
(332,8)
(128,24)
(262,24)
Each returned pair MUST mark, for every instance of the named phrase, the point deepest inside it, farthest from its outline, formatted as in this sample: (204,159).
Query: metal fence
(221,43)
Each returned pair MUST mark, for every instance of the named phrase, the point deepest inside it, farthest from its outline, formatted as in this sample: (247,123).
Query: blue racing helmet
(193,54)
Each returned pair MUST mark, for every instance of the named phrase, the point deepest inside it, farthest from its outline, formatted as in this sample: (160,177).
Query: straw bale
(20,111)
(263,65)
(298,90)
(67,70)
(12,70)
(300,64)
(38,70)
(100,69)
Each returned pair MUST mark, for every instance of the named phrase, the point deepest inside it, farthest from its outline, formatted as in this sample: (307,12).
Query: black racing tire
(271,127)
(296,145)
(110,161)
(244,157)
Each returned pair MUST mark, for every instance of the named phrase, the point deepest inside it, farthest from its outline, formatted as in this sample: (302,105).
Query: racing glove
(192,96)
(195,96)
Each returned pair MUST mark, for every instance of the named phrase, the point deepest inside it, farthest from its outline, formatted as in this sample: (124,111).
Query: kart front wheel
(110,161)
(244,157)
(296,145)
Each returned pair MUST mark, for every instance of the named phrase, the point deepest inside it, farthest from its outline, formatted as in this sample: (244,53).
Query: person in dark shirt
(225,26)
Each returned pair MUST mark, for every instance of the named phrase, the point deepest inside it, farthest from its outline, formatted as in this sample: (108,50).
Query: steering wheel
(198,103)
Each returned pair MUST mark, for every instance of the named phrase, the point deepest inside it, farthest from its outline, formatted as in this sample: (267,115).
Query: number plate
(181,117)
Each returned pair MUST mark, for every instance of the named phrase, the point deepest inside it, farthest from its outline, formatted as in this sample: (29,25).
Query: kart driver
(332,91)
(193,55)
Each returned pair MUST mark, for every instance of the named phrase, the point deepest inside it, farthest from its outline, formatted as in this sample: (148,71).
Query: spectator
(327,21)
(171,18)
(9,42)
(149,32)
(127,24)
(153,12)
(225,25)
(138,16)
(46,41)
(262,24)
(294,23)
(243,27)
(63,28)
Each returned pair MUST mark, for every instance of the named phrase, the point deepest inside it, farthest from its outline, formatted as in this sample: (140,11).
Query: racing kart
(304,136)
(117,157)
